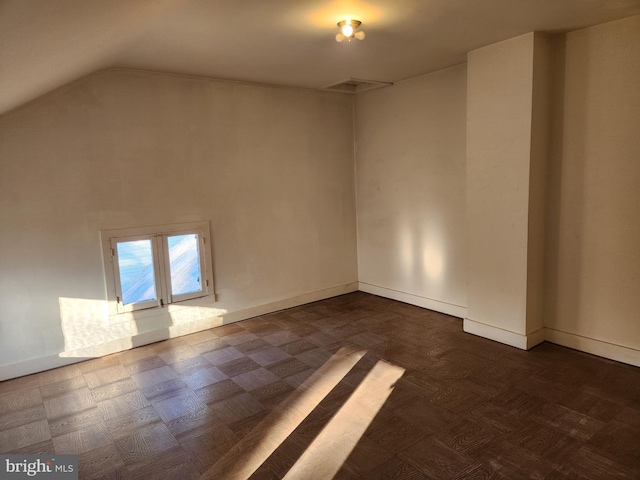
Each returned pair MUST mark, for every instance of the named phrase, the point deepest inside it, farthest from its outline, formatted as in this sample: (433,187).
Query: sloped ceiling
(45,44)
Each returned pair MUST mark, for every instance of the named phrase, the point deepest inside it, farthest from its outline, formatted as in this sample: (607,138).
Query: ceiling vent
(355,85)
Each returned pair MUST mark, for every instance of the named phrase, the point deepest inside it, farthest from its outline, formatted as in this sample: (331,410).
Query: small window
(153,266)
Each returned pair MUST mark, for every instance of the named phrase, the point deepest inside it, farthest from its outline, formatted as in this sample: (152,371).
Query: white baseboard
(424,302)
(603,349)
(523,342)
(62,359)
(611,351)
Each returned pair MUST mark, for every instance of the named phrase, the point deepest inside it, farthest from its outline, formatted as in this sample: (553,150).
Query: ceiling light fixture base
(348,30)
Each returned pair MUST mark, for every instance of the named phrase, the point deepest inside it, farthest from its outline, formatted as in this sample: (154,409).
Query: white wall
(593,241)
(410,164)
(500,87)
(270,168)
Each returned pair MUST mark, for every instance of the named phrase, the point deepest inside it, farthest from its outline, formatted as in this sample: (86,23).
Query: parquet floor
(353,387)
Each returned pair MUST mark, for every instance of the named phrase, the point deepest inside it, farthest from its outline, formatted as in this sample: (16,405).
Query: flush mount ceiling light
(348,30)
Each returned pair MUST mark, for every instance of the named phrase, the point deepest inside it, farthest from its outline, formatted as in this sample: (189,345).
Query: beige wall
(270,168)
(499,102)
(410,164)
(593,241)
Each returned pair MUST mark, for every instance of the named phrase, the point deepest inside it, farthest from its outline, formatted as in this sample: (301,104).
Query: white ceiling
(45,44)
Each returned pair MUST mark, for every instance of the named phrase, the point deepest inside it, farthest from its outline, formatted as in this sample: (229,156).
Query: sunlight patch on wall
(432,261)
(89,331)
(407,254)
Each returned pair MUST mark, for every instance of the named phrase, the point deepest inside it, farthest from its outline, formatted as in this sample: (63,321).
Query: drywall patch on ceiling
(355,85)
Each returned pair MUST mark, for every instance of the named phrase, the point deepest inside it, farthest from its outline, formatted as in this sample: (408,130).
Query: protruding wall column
(508,93)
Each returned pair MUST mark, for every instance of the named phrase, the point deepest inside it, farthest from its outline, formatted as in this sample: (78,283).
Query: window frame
(160,253)
(171,298)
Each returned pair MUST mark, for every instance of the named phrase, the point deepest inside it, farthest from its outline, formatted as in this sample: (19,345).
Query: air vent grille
(355,85)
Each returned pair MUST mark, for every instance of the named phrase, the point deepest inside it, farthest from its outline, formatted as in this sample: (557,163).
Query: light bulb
(359,35)
(347,31)
(339,37)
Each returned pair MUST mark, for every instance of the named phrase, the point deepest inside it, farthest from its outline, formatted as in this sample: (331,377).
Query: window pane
(135,261)
(184,264)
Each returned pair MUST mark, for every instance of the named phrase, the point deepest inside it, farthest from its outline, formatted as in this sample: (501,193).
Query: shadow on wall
(89,331)
(566,196)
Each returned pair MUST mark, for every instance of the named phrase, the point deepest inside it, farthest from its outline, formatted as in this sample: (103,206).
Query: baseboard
(40,364)
(611,351)
(424,302)
(523,342)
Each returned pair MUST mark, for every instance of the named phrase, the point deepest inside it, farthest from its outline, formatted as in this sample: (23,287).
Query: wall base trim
(424,302)
(523,342)
(611,351)
(40,364)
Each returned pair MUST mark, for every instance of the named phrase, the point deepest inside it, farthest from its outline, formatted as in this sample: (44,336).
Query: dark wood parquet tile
(98,462)
(219,391)
(236,408)
(546,442)
(69,403)
(97,378)
(253,346)
(155,376)
(479,471)
(435,459)
(20,399)
(98,363)
(396,469)
(24,435)
(515,462)
(246,425)
(297,346)
(194,424)
(365,458)
(273,394)
(115,389)
(127,424)
(16,384)
(129,402)
(394,434)
(591,405)
(166,389)
(207,376)
(464,407)
(83,440)
(269,356)
(61,387)
(145,442)
(619,442)
(172,464)
(148,363)
(184,403)
(629,416)
(17,418)
(210,447)
(190,365)
(468,437)
(41,448)
(593,465)
(75,421)
(288,367)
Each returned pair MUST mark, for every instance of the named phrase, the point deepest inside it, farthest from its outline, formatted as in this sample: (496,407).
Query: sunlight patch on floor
(331,448)
(252,451)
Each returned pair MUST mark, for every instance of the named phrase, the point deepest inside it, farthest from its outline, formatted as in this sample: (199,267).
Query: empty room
(320,239)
